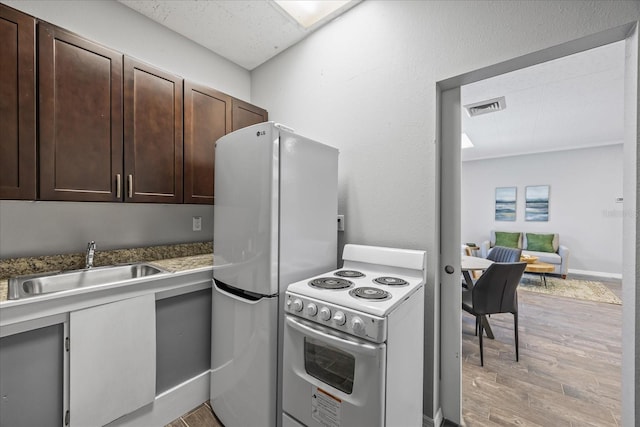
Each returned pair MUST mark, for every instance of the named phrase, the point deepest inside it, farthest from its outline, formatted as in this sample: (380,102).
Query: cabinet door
(31,380)
(80,102)
(245,114)
(112,360)
(17,105)
(207,117)
(183,338)
(152,134)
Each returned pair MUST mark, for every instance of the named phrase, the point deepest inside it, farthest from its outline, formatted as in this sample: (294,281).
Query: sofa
(545,246)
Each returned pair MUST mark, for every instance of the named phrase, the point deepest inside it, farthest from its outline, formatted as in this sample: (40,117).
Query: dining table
(469,264)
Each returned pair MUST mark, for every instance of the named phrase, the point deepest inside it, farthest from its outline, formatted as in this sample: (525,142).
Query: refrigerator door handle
(237,294)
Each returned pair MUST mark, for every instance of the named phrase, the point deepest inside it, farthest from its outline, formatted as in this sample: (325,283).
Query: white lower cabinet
(112,360)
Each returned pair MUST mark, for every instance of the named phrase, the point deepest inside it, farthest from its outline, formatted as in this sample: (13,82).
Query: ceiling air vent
(484,107)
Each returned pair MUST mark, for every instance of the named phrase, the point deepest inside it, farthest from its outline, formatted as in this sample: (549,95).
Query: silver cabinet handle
(118,186)
(130,185)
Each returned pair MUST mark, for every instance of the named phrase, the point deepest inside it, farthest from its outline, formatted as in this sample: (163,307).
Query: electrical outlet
(197,223)
(340,222)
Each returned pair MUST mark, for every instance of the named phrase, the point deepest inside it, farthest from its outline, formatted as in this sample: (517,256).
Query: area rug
(580,289)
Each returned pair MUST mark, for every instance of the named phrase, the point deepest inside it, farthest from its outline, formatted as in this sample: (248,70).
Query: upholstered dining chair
(504,254)
(495,292)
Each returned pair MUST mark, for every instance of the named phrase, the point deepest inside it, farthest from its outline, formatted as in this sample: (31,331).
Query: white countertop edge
(13,312)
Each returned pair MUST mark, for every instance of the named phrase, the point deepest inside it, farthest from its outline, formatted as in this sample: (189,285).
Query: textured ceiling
(247,33)
(572,102)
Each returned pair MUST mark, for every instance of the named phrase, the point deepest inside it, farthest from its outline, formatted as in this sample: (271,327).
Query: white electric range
(353,342)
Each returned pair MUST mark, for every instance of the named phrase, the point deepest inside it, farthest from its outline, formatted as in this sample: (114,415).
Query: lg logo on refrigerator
(261,132)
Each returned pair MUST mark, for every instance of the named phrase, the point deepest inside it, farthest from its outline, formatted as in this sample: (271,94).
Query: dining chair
(504,254)
(474,273)
(495,292)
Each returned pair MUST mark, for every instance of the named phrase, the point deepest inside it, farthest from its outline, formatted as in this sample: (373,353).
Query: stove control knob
(357,325)
(297,304)
(325,314)
(312,309)
(339,318)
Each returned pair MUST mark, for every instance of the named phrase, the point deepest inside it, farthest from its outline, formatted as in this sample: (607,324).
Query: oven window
(328,364)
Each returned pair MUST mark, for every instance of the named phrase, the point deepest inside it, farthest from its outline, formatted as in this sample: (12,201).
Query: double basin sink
(46,283)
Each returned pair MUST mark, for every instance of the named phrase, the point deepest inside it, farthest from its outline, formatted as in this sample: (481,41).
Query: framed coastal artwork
(536,207)
(505,204)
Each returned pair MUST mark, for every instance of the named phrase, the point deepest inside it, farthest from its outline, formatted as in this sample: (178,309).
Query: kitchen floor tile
(202,416)
(177,423)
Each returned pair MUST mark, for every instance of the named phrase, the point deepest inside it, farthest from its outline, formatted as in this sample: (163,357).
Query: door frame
(448,127)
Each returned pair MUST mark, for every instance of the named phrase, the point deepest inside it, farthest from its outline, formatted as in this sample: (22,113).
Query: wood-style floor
(569,373)
(202,416)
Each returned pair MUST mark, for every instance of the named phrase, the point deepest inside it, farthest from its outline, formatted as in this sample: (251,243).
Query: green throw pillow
(509,240)
(540,242)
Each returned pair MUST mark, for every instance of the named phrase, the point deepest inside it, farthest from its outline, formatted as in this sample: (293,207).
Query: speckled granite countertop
(185,263)
(172,258)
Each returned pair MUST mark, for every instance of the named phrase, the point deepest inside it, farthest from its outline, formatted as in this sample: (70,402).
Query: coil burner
(391,281)
(369,293)
(349,273)
(330,283)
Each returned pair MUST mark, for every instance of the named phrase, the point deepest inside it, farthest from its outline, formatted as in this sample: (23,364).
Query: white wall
(49,228)
(582,209)
(366,83)
(42,228)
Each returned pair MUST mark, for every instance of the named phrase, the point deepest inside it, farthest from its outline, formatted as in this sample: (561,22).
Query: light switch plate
(340,222)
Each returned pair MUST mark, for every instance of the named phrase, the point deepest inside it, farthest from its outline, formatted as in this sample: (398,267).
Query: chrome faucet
(91,249)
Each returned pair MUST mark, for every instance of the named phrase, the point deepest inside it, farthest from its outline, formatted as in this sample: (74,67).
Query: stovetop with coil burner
(330,283)
(370,293)
(373,290)
(348,273)
(359,298)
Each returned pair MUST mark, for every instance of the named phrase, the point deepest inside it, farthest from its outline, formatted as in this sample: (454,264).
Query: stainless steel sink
(45,283)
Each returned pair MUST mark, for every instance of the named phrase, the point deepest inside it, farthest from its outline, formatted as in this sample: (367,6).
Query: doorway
(449,217)
(559,119)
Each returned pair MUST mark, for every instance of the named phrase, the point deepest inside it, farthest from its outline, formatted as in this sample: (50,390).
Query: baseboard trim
(170,404)
(433,422)
(596,273)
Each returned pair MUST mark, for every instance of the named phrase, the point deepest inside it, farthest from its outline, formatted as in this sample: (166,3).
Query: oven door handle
(344,342)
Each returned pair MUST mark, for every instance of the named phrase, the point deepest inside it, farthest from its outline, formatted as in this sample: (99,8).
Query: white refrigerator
(275,223)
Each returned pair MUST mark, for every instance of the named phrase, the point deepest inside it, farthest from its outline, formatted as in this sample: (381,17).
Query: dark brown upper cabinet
(152,134)
(207,117)
(102,127)
(80,98)
(244,114)
(17,105)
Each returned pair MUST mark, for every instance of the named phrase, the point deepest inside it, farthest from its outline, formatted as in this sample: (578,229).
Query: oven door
(331,379)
